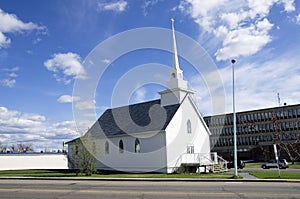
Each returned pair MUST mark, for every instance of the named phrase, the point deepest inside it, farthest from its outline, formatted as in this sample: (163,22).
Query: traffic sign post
(276,157)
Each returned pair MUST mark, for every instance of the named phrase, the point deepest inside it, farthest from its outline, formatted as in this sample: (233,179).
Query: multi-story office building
(257,131)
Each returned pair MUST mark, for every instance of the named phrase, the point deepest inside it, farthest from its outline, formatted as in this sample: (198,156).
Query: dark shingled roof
(137,118)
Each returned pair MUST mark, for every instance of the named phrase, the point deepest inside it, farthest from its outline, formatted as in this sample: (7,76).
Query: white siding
(152,156)
(177,137)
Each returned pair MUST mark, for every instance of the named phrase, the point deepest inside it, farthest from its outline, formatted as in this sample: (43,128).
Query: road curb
(152,179)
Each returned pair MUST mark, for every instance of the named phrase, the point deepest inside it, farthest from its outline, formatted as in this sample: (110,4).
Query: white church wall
(178,138)
(152,155)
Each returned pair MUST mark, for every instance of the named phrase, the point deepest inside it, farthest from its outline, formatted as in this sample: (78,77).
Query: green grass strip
(70,173)
(275,175)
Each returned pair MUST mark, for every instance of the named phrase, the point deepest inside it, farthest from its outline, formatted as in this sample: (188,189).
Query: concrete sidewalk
(247,176)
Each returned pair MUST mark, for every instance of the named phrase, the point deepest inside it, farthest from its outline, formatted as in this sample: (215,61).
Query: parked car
(240,164)
(283,164)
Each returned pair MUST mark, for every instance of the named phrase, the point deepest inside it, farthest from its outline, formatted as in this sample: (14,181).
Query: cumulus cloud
(237,24)
(298,19)
(67,99)
(118,6)
(66,66)
(85,104)
(148,4)
(8,82)
(106,61)
(9,23)
(245,41)
(139,95)
(256,84)
(16,126)
(8,78)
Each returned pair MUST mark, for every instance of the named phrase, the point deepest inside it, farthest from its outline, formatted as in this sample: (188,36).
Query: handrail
(203,159)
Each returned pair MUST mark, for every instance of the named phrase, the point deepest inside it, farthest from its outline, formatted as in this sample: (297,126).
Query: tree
(82,158)
(283,133)
(284,139)
(2,148)
(22,147)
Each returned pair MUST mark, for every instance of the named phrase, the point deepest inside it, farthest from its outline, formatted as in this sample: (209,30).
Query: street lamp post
(234,123)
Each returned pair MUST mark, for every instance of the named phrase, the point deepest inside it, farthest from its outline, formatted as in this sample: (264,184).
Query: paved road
(37,189)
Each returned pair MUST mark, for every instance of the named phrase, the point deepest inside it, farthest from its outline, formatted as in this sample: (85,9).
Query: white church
(160,136)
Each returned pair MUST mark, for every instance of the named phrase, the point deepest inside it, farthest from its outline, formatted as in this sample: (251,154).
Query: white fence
(33,161)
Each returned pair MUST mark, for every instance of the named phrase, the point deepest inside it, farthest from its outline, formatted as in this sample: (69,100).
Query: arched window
(189,126)
(137,147)
(76,149)
(121,147)
(106,147)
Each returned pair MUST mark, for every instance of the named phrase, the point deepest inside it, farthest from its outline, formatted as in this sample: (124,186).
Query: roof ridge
(134,104)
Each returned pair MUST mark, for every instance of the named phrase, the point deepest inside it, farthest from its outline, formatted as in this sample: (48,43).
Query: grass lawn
(39,173)
(69,173)
(253,165)
(296,165)
(274,174)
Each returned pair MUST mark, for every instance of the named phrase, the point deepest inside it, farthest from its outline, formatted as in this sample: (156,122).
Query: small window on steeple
(173,75)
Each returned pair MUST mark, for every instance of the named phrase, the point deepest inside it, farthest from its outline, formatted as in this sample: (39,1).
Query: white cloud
(148,4)
(106,61)
(8,82)
(298,19)
(8,79)
(69,64)
(85,105)
(4,41)
(67,99)
(289,5)
(16,127)
(236,24)
(118,6)
(15,69)
(9,23)
(13,74)
(256,84)
(139,95)
(245,41)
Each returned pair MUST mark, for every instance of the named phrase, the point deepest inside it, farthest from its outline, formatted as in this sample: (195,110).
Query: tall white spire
(175,55)
(176,79)
(177,88)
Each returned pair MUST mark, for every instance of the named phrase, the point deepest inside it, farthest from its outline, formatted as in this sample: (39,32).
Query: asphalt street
(37,189)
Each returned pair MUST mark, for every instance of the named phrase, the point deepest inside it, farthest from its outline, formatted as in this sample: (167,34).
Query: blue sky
(43,45)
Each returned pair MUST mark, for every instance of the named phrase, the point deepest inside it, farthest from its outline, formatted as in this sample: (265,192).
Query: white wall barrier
(33,161)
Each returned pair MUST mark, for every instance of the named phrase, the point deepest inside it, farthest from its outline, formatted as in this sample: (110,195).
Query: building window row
(254,140)
(137,146)
(253,117)
(258,128)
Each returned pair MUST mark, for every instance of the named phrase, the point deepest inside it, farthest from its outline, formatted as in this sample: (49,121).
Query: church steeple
(177,87)
(175,64)
(176,79)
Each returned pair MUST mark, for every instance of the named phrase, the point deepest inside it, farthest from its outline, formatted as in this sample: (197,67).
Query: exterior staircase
(200,163)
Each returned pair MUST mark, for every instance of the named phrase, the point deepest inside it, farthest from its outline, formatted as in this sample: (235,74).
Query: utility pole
(234,123)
